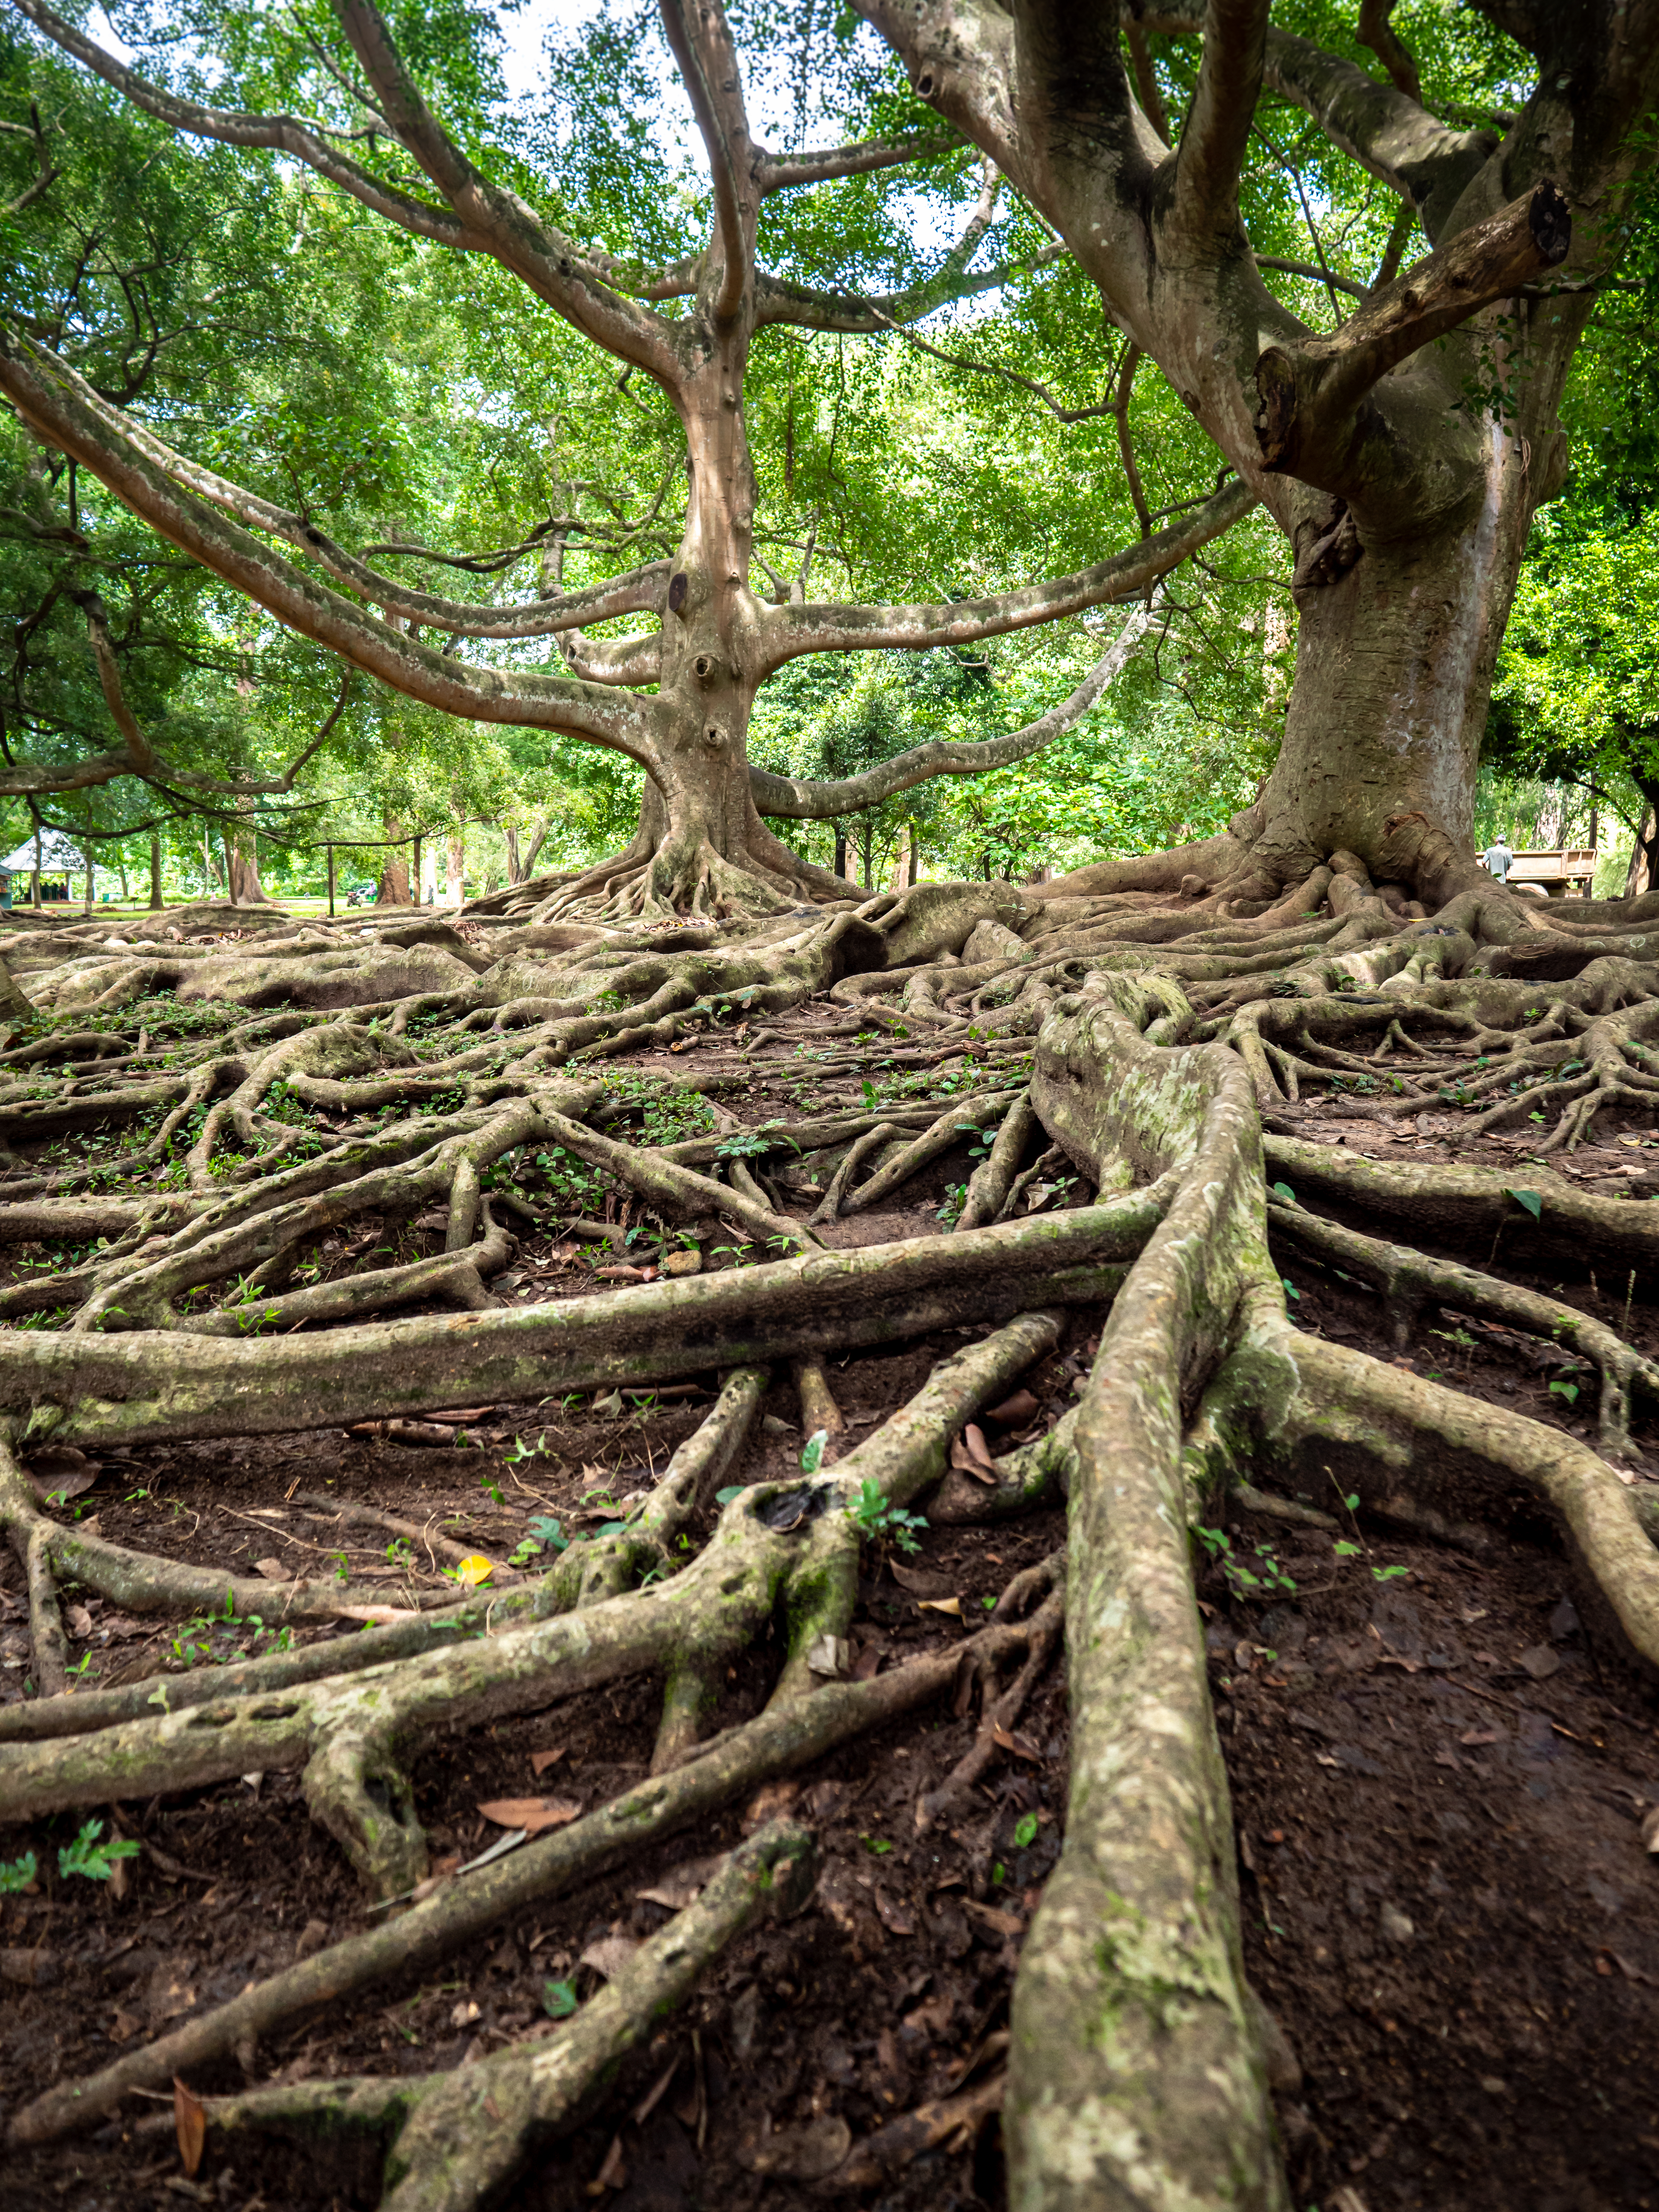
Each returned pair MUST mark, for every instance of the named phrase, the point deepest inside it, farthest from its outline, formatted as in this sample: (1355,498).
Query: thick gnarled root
(457,2136)
(1136,2075)
(794,1546)
(445,1922)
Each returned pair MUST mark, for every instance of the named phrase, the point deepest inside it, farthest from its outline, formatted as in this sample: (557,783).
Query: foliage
(86,1856)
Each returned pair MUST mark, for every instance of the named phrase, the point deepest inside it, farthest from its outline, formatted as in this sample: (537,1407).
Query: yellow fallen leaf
(951,1605)
(475,1569)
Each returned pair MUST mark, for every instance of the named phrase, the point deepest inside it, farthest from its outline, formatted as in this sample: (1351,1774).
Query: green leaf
(1025,1830)
(1531,1200)
(812,1452)
(16,1874)
(1283,1190)
(731,1490)
(1347,1551)
(559,1999)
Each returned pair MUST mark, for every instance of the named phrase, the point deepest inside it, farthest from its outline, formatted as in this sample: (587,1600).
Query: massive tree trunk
(1403,454)
(1396,647)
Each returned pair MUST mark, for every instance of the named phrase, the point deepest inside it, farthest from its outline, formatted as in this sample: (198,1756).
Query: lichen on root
(1115,1042)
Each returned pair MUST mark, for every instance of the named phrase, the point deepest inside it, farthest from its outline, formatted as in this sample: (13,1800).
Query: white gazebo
(57,857)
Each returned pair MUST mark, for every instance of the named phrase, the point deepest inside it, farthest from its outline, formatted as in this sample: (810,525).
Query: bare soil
(1438,1776)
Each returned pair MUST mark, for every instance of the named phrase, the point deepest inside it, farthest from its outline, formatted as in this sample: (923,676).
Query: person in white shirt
(1498,857)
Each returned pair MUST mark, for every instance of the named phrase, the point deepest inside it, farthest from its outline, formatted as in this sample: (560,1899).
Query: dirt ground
(1438,1768)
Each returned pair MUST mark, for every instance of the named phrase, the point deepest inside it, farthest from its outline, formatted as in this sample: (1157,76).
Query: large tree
(1161,1046)
(676,696)
(1404,453)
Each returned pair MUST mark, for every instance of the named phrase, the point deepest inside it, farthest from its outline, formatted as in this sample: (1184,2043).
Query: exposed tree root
(455,2137)
(1120,1035)
(437,1927)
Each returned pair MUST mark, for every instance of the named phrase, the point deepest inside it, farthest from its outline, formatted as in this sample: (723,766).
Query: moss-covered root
(992,1179)
(1411,1280)
(1136,2075)
(905,1457)
(459,2136)
(1033,1474)
(46,1616)
(140,1582)
(1397,1420)
(796,1543)
(999,1713)
(447,1921)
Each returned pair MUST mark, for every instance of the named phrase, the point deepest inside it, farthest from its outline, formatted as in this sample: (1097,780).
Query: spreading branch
(776,172)
(1310,391)
(640,591)
(284,134)
(786,798)
(1375,31)
(701,41)
(835,627)
(1211,156)
(44,393)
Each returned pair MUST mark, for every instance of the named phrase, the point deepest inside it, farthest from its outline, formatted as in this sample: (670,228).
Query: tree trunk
(455,869)
(392,888)
(1393,669)
(1644,853)
(242,867)
(515,874)
(155,899)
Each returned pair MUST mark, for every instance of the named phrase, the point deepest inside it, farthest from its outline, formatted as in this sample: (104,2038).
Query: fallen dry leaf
(1003,1924)
(951,1605)
(891,1915)
(189,2124)
(920,1582)
(1012,1411)
(769,1802)
(1021,1746)
(474,1569)
(610,1955)
(681,1886)
(1540,1661)
(541,1760)
(532,1814)
(1649,1831)
(965,1462)
(1478,1735)
(828,1655)
(613,2174)
(1631,1973)
(807,2153)
(272,1570)
(78,1621)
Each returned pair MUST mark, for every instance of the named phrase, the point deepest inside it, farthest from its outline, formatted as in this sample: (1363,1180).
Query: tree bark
(155,899)
(242,867)
(392,888)
(1393,666)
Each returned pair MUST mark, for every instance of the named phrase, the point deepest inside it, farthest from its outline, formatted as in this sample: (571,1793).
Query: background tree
(701,843)
(1404,446)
